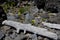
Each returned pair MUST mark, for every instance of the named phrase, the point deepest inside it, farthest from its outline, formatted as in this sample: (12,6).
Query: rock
(5,28)
(28,17)
(20,37)
(32,36)
(13,35)
(46,39)
(37,20)
(52,30)
(48,5)
(17,38)
(41,10)
(10,16)
(16,15)
(54,19)
(40,38)
(53,5)
(43,14)
(52,14)
(59,36)
(8,38)
(1,35)
(52,8)
(34,10)
(58,33)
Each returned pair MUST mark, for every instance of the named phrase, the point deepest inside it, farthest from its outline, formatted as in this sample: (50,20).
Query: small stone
(46,39)
(40,38)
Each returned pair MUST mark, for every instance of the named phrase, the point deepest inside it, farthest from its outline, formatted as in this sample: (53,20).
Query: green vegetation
(19,13)
(7,5)
(44,19)
(33,22)
(24,9)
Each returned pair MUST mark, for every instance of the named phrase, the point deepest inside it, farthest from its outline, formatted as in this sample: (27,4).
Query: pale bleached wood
(30,28)
(51,25)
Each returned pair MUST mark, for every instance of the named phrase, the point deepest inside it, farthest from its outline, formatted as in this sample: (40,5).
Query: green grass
(24,9)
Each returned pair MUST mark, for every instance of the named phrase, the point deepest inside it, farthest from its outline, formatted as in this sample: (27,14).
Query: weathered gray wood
(51,25)
(28,27)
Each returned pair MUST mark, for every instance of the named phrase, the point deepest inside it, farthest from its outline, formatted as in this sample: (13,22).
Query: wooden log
(30,28)
(51,25)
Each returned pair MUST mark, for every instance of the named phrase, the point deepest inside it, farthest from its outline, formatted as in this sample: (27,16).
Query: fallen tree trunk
(28,27)
(55,26)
